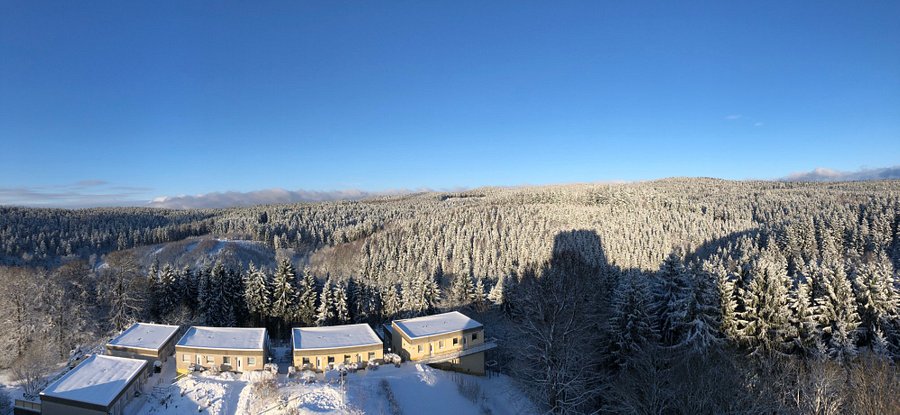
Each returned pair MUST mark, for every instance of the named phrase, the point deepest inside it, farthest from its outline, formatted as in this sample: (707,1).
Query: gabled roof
(224,338)
(332,337)
(436,324)
(145,336)
(98,380)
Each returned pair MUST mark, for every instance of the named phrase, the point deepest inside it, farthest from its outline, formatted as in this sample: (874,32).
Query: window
(185,357)
(455,341)
(210,359)
(474,336)
(420,348)
(226,360)
(440,344)
(251,361)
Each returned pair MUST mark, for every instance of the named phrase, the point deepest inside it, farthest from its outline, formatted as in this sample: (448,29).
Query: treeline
(218,295)
(31,236)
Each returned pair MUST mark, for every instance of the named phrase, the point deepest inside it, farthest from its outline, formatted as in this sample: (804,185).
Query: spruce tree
(341,308)
(764,322)
(283,292)
(308,295)
(325,313)
(257,294)
(838,319)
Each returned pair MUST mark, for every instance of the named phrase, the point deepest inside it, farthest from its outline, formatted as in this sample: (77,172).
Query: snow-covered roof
(145,336)
(436,324)
(97,380)
(350,335)
(224,338)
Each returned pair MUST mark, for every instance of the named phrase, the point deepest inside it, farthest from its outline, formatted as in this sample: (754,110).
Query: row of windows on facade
(347,357)
(455,342)
(226,360)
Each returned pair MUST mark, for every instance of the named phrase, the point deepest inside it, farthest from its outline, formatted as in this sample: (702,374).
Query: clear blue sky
(165,98)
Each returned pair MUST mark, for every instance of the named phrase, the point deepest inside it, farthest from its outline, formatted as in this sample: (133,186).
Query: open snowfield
(409,389)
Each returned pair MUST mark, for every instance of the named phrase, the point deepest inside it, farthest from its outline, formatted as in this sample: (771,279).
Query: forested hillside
(672,296)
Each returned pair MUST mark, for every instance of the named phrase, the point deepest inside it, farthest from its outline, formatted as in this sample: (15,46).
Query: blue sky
(133,100)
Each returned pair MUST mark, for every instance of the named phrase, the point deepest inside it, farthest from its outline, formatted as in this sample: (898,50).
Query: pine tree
(204,293)
(284,294)
(257,293)
(670,304)
(462,289)
(325,313)
(631,328)
(838,319)
(307,297)
(167,288)
(497,295)
(764,322)
(876,295)
(391,302)
(341,308)
(805,333)
(477,295)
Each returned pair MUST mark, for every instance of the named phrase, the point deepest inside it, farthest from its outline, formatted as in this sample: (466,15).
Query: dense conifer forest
(671,296)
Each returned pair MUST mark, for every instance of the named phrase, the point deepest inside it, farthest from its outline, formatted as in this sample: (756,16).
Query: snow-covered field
(409,389)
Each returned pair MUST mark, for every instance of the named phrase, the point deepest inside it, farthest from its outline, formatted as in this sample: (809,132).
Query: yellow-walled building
(449,341)
(320,348)
(235,349)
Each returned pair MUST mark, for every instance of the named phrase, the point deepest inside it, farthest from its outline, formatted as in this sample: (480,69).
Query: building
(144,341)
(99,385)
(225,348)
(449,341)
(319,347)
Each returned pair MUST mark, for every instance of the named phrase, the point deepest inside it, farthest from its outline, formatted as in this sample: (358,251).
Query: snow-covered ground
(409,389)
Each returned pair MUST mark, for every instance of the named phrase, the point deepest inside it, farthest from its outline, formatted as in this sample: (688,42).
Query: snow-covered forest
(672,296)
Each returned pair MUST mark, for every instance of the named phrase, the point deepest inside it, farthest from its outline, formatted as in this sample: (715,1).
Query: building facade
(442,340)
(322,348)
(223,348)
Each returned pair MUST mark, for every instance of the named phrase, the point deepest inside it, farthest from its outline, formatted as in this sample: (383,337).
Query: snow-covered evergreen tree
(325,313)
(257,293)
(876,295)
(764,323)
(632,327)
(497,295)
(838,319)
(283,291)
(341,308)
(307,297)
(805,334)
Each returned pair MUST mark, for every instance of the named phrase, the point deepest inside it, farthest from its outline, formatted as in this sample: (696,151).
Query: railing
(438,358)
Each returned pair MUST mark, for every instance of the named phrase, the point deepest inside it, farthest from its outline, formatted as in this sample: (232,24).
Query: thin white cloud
(83,193)
(823,174)
(264,197)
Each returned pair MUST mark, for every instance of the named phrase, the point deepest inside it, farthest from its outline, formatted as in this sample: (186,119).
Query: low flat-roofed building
(145,341)
(99,385)
(448,341)
(319,347)
(226,348)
